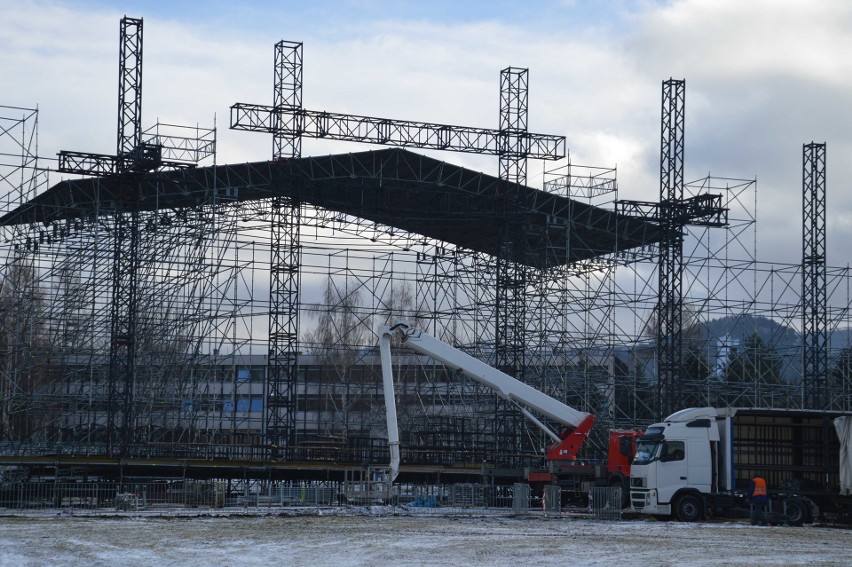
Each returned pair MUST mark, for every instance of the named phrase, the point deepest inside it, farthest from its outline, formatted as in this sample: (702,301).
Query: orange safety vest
(759,486)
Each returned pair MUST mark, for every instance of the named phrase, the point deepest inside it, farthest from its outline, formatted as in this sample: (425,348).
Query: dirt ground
(324,538)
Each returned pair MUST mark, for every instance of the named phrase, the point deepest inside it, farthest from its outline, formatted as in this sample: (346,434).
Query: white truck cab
(675,465)
(698,462)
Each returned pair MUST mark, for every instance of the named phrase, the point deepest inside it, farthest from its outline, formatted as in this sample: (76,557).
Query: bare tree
(342,333)
(23,337)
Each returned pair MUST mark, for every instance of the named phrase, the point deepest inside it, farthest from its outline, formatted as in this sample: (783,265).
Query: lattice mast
(129,91)
(669,336)
(511,277)
(510,318)
(122,355)
(285,216)
(814,279)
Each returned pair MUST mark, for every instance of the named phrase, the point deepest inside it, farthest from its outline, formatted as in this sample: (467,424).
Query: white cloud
(762,78)
(750,40)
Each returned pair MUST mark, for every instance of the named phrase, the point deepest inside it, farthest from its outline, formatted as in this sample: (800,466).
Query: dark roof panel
(394,187)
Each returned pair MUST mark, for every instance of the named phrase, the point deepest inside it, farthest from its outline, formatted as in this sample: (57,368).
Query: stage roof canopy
(394,187)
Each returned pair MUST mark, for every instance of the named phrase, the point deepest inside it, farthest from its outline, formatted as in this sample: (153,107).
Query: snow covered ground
(376,537)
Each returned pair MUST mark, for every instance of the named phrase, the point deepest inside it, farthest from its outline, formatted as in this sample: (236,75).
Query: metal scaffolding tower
(285,264)
(510,279)
(674,212)
(670,304)
(814,279)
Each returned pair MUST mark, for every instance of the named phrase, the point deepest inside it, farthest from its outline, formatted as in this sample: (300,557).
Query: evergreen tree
(753,375)
(840,380)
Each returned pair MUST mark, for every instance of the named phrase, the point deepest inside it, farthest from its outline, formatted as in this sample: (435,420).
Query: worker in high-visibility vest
(758,497)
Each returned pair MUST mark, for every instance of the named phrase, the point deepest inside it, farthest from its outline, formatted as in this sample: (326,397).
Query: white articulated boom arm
(524,396)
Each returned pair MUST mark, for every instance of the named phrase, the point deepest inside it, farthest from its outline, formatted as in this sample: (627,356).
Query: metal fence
(552,501)
(290,495)
(605,502)
(439,499)
(153,495)
(459,498)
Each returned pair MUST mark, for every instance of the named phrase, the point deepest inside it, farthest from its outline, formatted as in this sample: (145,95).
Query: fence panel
(520,498)
(552,501)
(605,502)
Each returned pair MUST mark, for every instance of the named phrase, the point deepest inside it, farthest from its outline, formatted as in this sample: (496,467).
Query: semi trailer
(562,454)
(698,463)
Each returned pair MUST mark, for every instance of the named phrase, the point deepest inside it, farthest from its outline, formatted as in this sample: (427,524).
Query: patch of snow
(380,536)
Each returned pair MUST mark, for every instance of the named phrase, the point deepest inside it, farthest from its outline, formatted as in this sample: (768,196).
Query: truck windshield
(648,447)
(647,451)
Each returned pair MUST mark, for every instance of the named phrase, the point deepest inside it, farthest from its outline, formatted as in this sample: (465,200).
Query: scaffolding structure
(254,315)
(203,305)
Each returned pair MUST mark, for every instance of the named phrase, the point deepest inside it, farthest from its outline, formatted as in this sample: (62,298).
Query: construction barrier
(552,501)
(605,502)
(440,499)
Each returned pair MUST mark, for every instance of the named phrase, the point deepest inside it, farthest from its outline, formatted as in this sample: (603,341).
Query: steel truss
(670,306)
(814,278)
(286,214)
(509,266)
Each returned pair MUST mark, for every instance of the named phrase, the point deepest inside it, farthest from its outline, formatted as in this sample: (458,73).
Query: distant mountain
(728,332)
(840,338)
(780,337)
(737,327)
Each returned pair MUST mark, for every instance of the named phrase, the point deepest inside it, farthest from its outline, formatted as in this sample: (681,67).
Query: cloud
(762,78)
(749,40)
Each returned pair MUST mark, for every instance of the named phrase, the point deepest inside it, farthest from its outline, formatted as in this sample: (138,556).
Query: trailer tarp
(843,425)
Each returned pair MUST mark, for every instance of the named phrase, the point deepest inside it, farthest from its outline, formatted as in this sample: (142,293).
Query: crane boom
(526,397)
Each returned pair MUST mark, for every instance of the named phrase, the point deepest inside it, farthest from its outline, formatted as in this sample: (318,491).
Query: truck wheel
(796,512)
(688,508)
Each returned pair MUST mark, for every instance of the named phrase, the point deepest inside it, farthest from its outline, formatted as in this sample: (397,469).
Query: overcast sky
(762,78)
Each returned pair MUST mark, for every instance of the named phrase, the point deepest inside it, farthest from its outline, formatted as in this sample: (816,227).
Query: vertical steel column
(814,280)
(122,376)
(129,91)
(670,301)
(510,308)
(287,101)
(122,368)
(510,321)
(514,87)
(282,363)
